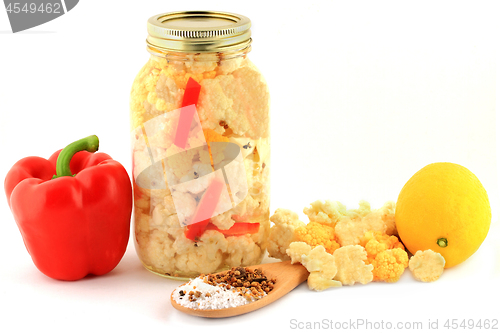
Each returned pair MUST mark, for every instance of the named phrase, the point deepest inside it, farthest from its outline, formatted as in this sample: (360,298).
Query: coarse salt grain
(212,297)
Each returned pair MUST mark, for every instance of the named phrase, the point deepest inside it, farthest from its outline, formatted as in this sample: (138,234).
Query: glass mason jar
(200,147)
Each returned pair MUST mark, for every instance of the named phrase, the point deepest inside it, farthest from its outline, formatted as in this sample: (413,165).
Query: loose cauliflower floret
(318,262)
(363,210)
(282,233)
(427,266)
(317,281)
(388,214)
(328,212)
(298,249)
(351,266)
(351,228)
(375,242)
(387,255)
(389,265)
(317,234)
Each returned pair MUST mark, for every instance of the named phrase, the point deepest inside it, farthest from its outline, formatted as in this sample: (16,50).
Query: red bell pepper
(73,210)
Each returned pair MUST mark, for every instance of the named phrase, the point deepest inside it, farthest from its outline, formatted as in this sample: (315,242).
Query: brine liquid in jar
(200,147)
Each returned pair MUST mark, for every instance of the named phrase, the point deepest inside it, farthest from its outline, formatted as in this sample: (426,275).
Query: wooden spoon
(287,277)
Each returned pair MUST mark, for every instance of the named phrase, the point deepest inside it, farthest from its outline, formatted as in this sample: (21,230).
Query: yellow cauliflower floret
(316,234)
(328,212)
(298,249)
(351,228)
(427,266)
(375,242)
(282,232)
(351,266)
(389,265)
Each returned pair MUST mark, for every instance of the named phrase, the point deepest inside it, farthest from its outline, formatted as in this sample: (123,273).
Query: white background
(364,94)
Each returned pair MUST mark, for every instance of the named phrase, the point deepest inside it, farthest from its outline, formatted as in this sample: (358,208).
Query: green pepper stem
(442,242)
(90,144)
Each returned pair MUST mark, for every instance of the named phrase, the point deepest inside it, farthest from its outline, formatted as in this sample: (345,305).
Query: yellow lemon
(443,207)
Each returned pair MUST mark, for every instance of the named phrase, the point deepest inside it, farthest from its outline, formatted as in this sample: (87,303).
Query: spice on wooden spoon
(280,278)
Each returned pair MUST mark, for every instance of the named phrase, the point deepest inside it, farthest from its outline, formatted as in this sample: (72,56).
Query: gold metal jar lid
(198,31)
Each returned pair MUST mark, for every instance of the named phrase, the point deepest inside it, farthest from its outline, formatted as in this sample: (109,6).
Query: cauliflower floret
(227,66)
(158,251)
(317,281)
(179,162)
(351,266)
(389,265)
(245,208)
(387,255)
(205,257)
(168,93)
(200,63)
(298,249)
(223,221)
(242,251)
(375,242)
(196,185)
(351,228)
(282,233)
(164,218)
(232,99)
(185,205)
(141,221)
(388,214)
(363,210)
(427,266)
(318,262)
(327,212)
(317,234)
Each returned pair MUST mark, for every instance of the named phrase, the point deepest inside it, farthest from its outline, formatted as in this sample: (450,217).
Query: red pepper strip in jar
(192,92)
(186,115)
(206,207)
(238,229)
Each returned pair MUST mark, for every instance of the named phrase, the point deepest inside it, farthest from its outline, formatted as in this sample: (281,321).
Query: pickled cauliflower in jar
(226,156)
